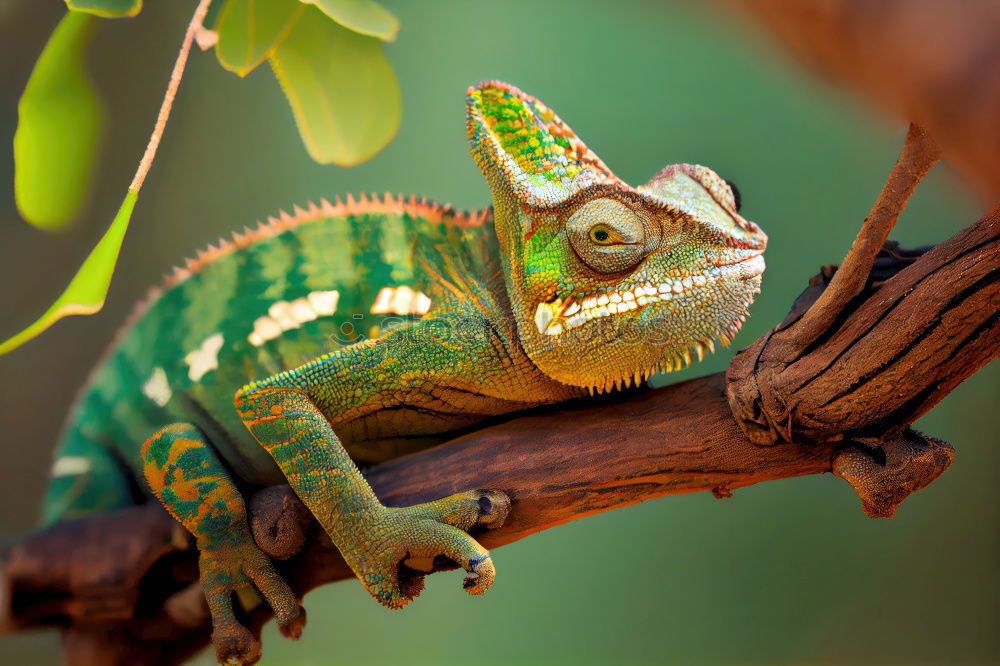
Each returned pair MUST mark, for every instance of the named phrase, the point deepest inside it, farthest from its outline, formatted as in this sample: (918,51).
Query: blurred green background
(786,572)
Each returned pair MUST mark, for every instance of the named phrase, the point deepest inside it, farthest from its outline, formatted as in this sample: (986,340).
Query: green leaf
(249,29)
(59,123)
(342,90)
(86,291)
(364,16)
(106,8)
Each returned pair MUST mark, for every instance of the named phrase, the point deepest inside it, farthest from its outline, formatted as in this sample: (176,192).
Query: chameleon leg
(185,474)
(374,540)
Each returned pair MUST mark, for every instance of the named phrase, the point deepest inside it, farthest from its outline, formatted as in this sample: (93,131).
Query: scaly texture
(608,283)
(366,330)
(186,475)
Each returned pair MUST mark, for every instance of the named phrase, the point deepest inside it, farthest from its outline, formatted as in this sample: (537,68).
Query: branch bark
(143,606)
(865,380)
(862,369)
(919,154)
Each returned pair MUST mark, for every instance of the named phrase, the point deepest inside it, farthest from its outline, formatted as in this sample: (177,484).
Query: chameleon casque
(365,330)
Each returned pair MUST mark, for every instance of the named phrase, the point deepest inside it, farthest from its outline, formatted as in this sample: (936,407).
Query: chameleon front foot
(389,549)
(412,540)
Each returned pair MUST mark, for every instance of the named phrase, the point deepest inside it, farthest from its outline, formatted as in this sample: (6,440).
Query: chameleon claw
(433,536)
(484,508)
(235,645)
(481,575)
(294,628)
(227,570)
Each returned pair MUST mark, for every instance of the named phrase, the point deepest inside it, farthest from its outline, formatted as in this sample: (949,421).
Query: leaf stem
(168,97)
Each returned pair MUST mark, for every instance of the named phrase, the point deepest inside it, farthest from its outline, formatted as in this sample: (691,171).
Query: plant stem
(168,97)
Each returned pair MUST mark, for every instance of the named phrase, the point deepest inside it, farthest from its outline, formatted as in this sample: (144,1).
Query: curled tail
(87,477)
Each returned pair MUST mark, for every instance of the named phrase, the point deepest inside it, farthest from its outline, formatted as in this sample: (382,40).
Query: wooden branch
(887,360)
(842,368)
(555,465)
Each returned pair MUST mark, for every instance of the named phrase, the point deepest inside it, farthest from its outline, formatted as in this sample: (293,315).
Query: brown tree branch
(887,360)
(556,466)
(841,369)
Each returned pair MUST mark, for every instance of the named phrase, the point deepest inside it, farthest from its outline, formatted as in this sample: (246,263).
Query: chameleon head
(608,283)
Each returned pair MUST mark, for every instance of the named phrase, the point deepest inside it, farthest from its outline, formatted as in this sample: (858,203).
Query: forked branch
(861,369)
(918,156)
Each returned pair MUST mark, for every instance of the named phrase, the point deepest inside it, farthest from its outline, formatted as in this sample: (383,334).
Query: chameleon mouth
(559,316)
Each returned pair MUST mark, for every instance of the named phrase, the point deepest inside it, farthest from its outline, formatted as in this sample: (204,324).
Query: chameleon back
(271,299)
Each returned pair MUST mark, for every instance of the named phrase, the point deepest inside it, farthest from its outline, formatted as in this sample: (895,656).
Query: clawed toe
(481,575)
(293,629)
(234,644)
(428,537)
(474,508)
(228,570)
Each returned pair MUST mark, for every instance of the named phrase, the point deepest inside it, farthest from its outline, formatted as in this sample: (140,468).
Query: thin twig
(168,98)
(919,154)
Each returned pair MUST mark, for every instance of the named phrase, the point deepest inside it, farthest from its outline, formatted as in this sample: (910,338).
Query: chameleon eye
(600,234)
(608,236)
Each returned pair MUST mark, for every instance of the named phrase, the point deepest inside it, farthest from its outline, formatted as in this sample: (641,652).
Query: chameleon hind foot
(186,475)
(411,540)
(228,569)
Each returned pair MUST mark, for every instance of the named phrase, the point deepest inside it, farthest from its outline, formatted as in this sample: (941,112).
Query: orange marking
(179,446)
(258,421)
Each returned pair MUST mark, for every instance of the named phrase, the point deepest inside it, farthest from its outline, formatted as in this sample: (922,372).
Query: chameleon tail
(87,477)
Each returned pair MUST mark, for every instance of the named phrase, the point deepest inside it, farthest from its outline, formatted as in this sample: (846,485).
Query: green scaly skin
(365,330)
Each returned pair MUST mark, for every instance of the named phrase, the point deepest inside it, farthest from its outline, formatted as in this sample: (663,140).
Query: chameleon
(361,330)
